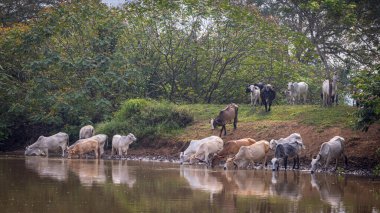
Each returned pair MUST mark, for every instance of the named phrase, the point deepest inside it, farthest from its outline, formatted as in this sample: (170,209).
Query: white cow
(330,150)
(45,144)
(298,90)
(205,149)
(255,94)
(120,143)
(249,154)
(292,138)
(328,100)
(86,132)
(193,148)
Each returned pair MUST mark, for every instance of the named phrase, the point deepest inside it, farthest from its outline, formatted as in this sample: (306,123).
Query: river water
(38,184)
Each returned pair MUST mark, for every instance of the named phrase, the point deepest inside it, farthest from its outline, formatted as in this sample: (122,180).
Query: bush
(146,119)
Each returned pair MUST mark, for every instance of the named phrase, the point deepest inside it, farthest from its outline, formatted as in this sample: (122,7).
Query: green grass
(314,115)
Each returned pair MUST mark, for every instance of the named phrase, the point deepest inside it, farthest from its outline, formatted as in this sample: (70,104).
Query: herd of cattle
(239,154)
(212,150)
(87,143)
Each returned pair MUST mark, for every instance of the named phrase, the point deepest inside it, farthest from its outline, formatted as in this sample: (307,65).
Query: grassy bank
(340,116)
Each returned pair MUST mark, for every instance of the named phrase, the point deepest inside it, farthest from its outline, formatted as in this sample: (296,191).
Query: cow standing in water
(45,144)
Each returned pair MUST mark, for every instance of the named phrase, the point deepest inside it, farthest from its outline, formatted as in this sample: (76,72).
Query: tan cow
(249,154)
(230,149)
(84,147)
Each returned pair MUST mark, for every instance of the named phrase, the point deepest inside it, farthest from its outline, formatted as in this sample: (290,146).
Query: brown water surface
(39,184)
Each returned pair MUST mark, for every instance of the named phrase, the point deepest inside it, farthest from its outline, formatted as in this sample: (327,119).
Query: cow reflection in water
(330,190)
(88,171)
(246,183)
(121,174)
(45,167)
(201,179)
(286,184)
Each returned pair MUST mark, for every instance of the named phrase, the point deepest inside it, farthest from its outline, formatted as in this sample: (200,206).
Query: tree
(16,11)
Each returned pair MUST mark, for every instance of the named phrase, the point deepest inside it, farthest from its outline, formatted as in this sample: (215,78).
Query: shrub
(146,119)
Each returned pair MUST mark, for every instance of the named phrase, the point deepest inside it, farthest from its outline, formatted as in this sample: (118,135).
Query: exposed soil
(360,147)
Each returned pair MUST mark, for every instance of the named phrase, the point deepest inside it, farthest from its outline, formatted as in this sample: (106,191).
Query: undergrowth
(146,119)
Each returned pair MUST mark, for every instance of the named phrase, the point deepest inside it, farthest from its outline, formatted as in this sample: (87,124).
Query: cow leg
(294,163)
(270,104)
(63,151)
(285,162)
(327,162)
(120,152)
(265,162)
(345,161)
(225,130)
(298,161)
(336,164)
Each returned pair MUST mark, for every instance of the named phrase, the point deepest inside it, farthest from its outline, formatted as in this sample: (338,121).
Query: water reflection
(330,190)
(121,174)
(88,171)
(286,184)
(157,187)
(52,168)
(201,179)
(247,183)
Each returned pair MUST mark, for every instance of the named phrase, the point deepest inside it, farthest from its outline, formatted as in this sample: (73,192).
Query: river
(38,184)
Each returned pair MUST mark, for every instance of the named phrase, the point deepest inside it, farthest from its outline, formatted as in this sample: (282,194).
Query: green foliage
(146,119)
(368,83)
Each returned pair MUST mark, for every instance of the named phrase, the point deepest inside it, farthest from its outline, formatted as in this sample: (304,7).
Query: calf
(330,150)
(120,144)
(230,148)
(45,144)
(249,154)
(194,146)
(84,147)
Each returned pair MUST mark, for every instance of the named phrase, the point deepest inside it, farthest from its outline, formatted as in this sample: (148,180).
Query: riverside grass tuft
(147,119)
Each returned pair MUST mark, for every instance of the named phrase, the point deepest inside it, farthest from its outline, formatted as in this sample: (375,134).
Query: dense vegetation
(75,63)
(146,119)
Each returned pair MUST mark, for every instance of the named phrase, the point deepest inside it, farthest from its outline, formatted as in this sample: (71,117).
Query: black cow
(267,96)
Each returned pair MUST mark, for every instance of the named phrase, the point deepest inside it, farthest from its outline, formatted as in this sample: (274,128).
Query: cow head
(275,164)
(248,89)
(272,144)
(230,163)
(71,151)
(315,163)
(34,151)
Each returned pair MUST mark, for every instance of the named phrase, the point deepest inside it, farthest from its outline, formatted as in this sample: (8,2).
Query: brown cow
(230,149)
(83,147)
